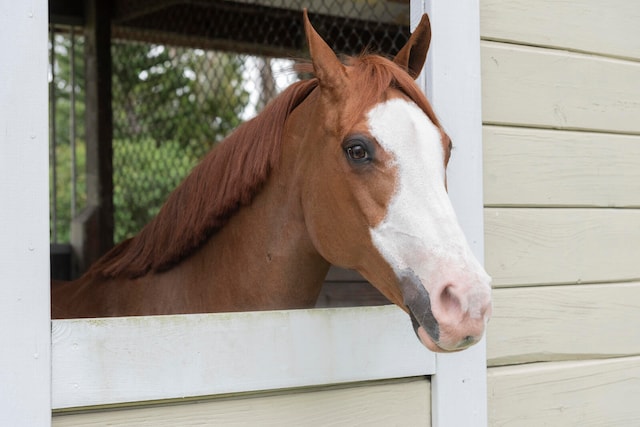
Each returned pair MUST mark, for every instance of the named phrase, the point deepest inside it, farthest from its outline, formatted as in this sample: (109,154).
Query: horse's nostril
(449,300)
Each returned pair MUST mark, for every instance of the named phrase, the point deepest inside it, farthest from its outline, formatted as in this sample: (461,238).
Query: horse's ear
(326,65)
(412,56)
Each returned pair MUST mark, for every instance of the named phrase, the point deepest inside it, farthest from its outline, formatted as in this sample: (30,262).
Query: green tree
(62,79)
(170,106)
(147,173)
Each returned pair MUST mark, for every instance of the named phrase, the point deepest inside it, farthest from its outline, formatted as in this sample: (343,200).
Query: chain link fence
(184,75)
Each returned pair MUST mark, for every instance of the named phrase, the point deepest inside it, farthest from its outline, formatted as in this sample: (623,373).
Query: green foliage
(64,187)
(168,93)
(170,106)
(146,174)
(63,111)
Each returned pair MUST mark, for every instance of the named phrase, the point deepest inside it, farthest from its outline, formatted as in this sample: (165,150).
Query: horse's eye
(357,153)
(358,149)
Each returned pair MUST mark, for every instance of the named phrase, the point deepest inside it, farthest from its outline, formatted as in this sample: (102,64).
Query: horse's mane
(226,179)
(231,175)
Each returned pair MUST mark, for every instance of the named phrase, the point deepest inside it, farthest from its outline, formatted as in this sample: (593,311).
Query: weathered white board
(137,359)
(600,393)
(452,82)
(24,216)
(603,27)
(387,403)
(539,167)
(547,323)
(550,246)
(528,86)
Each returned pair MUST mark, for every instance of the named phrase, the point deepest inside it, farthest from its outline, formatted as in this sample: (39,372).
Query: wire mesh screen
(170,106)
(67,177)
(186,75)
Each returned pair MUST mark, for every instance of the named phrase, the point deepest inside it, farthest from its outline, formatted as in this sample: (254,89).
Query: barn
(542,102)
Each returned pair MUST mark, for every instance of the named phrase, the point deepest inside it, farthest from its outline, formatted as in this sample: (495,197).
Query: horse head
(375,200)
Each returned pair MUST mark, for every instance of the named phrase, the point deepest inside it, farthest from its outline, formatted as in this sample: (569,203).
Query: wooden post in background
(92,230)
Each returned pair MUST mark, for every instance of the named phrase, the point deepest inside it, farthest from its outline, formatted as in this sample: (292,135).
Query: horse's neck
(263,257)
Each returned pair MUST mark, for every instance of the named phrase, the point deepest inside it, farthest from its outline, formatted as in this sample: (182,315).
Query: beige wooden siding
(532,246)
(561,137)
(539,324)
(541,167)
(534,87)
(607,28)
(600,393)
(384,403)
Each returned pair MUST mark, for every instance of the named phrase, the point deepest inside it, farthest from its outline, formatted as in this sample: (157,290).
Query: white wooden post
(25,332)
(452,82)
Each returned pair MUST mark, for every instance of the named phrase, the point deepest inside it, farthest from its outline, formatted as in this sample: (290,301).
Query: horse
(346,168)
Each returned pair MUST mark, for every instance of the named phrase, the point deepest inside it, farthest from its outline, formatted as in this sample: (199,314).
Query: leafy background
(171,105)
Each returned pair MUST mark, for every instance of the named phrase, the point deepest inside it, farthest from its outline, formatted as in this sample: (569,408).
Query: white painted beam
(24,216)
(149,358)
(452,82)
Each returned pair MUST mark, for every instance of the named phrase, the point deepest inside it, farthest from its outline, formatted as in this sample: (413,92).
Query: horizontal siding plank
(398,403)
(528,246)
(538,167)
(534,87)
(146,358)
(606,28)
(539,324)
(599,393)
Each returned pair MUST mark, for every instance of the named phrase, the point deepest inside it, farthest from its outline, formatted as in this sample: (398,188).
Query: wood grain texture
(536,167)
(554,246)
(527,86)
(396,403)
(548,323)
(605,28)
(601,393)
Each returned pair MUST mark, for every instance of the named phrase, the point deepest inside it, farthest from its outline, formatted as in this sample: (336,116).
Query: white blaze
(420,230)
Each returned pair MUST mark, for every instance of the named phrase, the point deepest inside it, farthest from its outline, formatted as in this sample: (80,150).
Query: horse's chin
(426,340)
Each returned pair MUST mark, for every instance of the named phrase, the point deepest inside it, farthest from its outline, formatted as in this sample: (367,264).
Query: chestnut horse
(347,168)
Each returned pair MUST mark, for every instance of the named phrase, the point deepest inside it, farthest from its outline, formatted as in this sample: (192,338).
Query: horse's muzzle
(426,325)
(417,300)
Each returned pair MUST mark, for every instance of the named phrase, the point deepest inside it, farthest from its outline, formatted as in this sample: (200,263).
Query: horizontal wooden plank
(586,393)
(606,28)
(404,402)
(538,324)
(135,359)
(538,167)
(527,246)
(536,87)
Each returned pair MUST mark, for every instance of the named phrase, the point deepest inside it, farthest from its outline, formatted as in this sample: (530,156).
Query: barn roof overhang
(249,26)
